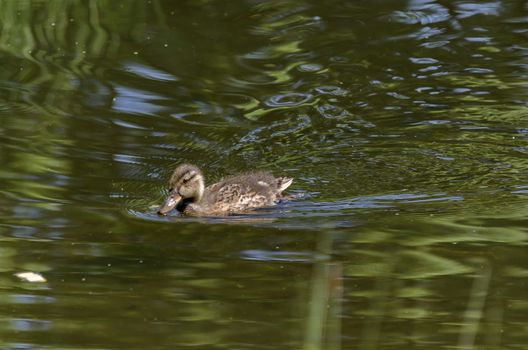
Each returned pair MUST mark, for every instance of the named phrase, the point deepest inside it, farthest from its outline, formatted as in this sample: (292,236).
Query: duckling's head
(186,183)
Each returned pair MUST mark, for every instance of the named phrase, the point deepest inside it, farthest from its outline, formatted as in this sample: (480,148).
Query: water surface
(404,124)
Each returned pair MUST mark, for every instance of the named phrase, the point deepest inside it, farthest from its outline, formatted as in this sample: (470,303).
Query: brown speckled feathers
(246,191)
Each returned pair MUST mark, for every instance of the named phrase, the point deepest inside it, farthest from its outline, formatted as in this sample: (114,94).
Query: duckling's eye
(185,181)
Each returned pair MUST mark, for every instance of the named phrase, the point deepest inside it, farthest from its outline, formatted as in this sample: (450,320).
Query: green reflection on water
(403,124)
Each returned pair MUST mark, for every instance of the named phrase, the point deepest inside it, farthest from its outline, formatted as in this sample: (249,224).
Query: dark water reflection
(404,124)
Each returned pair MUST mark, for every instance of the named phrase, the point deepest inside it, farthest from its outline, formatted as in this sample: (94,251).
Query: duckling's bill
(170,203)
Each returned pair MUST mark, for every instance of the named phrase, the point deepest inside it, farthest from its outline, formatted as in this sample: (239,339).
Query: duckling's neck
(199,192)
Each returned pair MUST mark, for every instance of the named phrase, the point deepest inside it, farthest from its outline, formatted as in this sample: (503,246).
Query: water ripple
(469,9)
(423,60)
(332,112)
(309,67)
(148,72)
(290,99)
(426,14)
(135,101)
(281,256)
(331,90)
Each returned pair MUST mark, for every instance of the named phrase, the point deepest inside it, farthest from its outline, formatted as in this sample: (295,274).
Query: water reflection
(403,124)
(30,325)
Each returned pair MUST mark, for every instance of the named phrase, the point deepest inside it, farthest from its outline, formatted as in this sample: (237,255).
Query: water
(403,123)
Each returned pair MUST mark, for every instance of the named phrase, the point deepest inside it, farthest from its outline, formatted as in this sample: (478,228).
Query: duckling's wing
(245,191)
(228,193)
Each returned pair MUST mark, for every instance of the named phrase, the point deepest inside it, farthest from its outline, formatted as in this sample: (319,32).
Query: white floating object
(30,277)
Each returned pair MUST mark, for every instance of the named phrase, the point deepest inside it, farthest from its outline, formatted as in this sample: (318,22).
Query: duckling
(231,195)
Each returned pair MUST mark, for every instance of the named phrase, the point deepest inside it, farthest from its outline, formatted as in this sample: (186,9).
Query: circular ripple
(288,100)
(331,90)
(309,67)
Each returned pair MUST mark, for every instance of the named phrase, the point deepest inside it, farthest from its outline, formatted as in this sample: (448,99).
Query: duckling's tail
(283,183)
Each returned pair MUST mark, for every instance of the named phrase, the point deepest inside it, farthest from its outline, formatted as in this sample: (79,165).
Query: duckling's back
(245,191)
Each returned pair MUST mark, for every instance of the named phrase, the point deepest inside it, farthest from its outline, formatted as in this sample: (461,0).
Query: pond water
(403,123)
